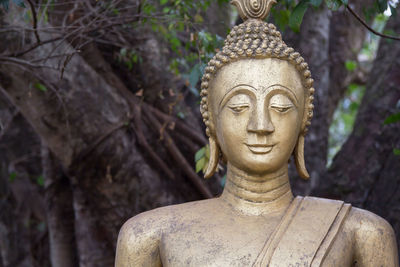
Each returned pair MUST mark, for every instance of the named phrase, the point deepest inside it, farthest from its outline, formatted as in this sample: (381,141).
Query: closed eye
(238,108)
(281,109)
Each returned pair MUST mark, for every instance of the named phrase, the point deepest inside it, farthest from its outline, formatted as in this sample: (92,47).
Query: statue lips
(260,148)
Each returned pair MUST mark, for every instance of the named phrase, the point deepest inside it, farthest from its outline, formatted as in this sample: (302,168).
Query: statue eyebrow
(238,88)
(290,93)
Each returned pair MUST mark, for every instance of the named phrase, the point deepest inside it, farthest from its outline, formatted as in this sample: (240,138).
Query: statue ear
(214,158)
(299,158)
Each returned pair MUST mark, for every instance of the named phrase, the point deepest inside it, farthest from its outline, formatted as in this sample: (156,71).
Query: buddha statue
(257,96)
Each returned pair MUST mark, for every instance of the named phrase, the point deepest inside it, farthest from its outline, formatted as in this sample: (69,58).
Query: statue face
(257,106)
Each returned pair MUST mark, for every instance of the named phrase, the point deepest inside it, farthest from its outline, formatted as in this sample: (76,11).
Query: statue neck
(257,194)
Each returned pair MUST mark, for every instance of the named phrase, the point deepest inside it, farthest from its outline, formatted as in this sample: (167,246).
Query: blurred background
(99,114)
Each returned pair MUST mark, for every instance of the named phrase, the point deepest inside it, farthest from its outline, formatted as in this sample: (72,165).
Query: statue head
(257,97)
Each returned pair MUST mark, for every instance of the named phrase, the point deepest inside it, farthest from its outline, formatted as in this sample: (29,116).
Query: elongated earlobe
(214,158)
(299,158)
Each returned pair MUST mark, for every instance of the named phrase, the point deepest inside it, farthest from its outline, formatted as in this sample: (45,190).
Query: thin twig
(194,135)
(36,46)
(143,143)
(186,141)
(16,61)
(368,27)
(34,21)
(88,150)
(178,157)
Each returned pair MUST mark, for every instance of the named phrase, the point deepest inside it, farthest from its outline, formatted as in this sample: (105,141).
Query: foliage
(392,118)
(202,158)
(179,24)
(40,180)
(12,176)
(40,87)
(291,13)
(350,65)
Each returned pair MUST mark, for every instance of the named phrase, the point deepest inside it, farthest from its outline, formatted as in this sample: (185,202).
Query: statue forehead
(257,73)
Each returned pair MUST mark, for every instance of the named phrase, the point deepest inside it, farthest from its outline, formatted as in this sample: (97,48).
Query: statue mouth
(260,148)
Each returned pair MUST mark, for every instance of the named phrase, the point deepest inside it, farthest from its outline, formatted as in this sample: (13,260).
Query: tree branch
(143,143)
(368,27)
(34,21)
(194,135)
(179,158)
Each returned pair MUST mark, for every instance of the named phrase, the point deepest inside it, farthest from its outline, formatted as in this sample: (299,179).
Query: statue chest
(213,244)
(298,238)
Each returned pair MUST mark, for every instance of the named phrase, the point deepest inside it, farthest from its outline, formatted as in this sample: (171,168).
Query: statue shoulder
(374,239)
(138,239)
(140,236)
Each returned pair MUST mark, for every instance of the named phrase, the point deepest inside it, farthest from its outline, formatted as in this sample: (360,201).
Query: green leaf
(281,18)
(199,154)
(392,118)
(205,166)
(315,3)
(175,44)
(180,115)
(40,180)
(396,151)
(200,164)
(135,58)
(198,18)
(12,177)
(194,77)
(354,106)
(297,15)
(350,65)
(40,87)
(352,87)
(163,2)
(148,9)
(333,4)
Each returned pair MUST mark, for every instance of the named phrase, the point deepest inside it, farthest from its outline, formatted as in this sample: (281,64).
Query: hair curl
(256,39)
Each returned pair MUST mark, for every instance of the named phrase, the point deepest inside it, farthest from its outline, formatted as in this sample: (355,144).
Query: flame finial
(253,9)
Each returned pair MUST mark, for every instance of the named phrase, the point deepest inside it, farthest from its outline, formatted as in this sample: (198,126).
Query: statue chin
(256,103)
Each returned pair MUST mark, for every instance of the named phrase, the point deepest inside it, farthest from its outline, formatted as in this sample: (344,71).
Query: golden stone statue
(256,102)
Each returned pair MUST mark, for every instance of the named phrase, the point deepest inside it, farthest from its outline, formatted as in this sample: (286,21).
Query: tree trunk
(60,213)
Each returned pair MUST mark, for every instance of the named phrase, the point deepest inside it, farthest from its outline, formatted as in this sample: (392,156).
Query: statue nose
(260,122)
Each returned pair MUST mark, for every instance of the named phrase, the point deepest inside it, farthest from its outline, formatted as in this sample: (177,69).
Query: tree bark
(85,117)
(21,205)
(314,47)
(60,213)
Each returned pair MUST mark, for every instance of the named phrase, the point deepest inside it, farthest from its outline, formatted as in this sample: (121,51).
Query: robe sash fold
(305,233)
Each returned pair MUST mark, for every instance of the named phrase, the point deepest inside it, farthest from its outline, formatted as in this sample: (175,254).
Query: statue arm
(138,242)
(375,241)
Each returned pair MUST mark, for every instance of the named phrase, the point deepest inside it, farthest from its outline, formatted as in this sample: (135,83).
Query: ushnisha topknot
(256,39)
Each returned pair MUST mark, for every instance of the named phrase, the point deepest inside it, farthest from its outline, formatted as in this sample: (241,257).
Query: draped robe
(302,238)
